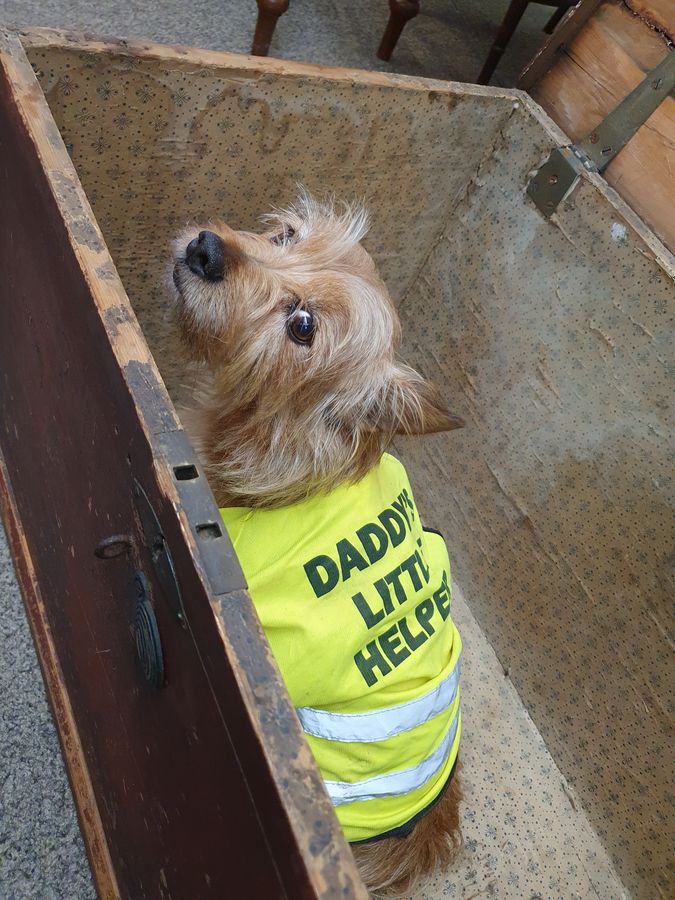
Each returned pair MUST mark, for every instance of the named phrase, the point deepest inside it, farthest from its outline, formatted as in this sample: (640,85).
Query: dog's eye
(284,237)
(301,326)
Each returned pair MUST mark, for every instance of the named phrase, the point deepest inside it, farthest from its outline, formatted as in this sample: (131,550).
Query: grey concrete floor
(41,853)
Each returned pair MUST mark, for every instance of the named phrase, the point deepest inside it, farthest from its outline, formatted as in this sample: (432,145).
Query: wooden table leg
(509,24)
(401,11)
(268,14)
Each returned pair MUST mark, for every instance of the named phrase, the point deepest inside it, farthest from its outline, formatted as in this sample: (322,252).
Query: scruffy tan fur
(279,421)
(391,867)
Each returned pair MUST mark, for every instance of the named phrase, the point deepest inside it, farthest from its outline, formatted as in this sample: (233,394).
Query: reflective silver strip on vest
(381,724)
(394,784)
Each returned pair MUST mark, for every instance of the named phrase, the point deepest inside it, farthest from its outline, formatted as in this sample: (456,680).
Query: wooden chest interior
(550,336)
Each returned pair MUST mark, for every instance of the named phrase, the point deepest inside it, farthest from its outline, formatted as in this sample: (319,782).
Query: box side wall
(553,339)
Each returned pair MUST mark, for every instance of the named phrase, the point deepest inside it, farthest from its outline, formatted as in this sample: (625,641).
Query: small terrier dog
(305,393)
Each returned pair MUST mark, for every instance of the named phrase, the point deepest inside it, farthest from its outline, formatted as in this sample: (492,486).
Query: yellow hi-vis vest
(354,597)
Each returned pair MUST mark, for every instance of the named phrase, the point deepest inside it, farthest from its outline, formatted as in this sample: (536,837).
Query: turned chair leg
(401,11)
(509,24)
(563,6)
(268,15)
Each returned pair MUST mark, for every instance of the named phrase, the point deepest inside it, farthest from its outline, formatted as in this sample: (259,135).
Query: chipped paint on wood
(71,746)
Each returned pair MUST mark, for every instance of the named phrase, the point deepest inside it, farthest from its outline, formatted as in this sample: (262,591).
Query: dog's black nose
(205,256)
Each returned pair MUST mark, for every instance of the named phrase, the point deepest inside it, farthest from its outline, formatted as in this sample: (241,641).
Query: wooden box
(550,335)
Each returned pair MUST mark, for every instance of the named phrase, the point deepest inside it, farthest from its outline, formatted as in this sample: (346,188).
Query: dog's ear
(413,405)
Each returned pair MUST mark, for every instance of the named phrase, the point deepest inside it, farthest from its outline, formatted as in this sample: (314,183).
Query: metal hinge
(556,178)
(160,555)
(196,505)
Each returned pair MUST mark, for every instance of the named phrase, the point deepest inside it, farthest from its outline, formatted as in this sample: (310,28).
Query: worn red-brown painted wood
(204,788)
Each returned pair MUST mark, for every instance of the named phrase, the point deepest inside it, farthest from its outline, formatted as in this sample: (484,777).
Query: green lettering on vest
(424,568)
(374,540)
(442,598)
(390,641)
(384,592)
(399,505)
(350,558)
(424,613)
(394,579)
(409,565)
(367,664)
(408,500)
(412,640)
(322,581)
(394,524)
(369,617)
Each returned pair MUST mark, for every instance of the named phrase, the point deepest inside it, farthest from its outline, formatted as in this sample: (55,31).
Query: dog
(305,394)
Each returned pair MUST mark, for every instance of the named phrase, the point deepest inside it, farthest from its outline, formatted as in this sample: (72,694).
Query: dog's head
(301,338)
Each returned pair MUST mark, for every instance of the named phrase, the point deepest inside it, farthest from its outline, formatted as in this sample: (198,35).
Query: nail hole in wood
(209,530)
(185,473)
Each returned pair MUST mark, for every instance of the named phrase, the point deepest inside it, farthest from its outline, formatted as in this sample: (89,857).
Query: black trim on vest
(433,531)
(405,830)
